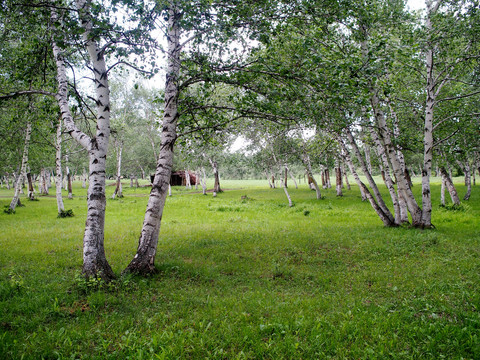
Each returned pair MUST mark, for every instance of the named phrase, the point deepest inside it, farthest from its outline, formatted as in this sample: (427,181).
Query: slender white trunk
(450,186)
(58,167)
(290,203)
(144,260)
(94,261)
(399,219)
(18,186)
(468,179)
(345,175)
(368,175)
(311,178)
(365,192)
(204,182)
(188,184)
(118,187)
(293,179)
(442,192)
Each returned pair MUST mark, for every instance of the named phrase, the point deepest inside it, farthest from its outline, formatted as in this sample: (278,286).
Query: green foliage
(66,213)
(8,210)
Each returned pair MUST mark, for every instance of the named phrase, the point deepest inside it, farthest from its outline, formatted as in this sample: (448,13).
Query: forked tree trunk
(450,187)
(144,260)
(58,167)
(18,185)
(399,216)
(363,188)
(94,261)
(378,196)
(293,179)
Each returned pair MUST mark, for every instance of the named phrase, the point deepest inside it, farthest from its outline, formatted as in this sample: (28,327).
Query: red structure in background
(178,178)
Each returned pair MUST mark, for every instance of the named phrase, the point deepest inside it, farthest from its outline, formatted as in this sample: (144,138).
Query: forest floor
(243,278)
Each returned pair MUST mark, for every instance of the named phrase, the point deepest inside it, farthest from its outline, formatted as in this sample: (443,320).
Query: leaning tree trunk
(144,260)
(58,168)
(368,175)
(18,185)
(311,178)
(363,188)
(450,187)
(94,261)
(399,213)
(293,178)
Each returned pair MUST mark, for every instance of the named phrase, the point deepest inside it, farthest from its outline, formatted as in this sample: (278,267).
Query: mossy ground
(243,278)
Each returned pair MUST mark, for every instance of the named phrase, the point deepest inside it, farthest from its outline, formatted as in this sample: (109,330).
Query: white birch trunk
(442,192)
(399,219)
(450,186)
(293,179)
(118,187)
(188,185)
(18,185)
(364,190)
(368,175)
(468,180)
(204,182)
(308,168)
(58,167)
(94,261)
(144,260)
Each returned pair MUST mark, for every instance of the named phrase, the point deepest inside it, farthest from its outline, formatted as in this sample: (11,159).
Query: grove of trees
(314,89)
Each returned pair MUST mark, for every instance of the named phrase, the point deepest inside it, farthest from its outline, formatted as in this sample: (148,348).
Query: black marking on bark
(95,161)
(107,108)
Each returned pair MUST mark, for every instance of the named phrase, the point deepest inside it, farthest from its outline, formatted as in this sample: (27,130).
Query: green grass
(247,278)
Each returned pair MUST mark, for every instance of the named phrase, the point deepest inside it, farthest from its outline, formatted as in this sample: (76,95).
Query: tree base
(141,267)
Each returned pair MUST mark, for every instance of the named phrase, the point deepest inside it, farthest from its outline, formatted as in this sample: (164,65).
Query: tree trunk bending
(144,260)
(378,196)
(450,187)
(387,221)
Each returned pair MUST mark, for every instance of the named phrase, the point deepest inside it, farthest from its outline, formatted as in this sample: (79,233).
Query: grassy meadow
(243,279)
